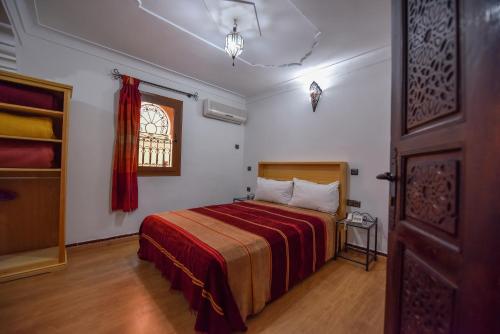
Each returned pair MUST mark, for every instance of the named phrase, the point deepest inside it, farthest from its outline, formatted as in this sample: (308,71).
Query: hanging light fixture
(234,43)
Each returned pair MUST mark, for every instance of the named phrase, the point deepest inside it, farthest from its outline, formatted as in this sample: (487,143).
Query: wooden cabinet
(32,219)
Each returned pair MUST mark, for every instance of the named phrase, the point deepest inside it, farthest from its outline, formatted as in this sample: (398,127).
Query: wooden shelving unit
(31,138)
(30,110)
(30,170)
(29,262)
(32,225)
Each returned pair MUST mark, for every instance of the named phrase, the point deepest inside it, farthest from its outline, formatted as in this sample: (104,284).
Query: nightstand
(243,198)
(368,224)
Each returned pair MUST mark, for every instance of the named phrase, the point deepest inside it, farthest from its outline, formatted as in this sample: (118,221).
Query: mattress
(230,260)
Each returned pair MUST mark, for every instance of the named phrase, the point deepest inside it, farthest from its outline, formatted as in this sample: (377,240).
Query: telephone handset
(355,217)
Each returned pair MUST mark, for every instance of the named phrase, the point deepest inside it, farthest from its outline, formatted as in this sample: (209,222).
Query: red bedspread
(230,260)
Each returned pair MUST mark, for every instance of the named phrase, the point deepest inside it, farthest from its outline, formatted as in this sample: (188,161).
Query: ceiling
(3,15)
(187,36)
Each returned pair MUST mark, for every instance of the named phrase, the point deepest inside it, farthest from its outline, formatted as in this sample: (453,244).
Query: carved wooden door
(444,228)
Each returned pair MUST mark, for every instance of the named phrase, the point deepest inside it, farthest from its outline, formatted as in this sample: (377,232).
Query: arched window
(155,143)
(159,135)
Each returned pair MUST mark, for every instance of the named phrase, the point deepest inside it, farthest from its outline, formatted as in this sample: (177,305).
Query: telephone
(355,217)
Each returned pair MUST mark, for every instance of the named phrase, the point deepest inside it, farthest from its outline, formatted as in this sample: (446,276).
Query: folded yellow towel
(26,126)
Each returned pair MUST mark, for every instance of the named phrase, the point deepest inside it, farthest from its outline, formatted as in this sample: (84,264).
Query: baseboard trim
(105,241)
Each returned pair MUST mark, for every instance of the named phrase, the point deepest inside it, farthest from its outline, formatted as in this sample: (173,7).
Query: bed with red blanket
(230,260)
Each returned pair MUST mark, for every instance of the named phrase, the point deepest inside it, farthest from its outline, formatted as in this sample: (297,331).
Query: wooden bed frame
(319,172)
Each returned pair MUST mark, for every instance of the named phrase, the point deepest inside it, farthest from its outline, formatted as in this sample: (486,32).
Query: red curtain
(124,191)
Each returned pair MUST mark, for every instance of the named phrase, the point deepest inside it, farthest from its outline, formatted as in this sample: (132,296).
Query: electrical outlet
(237,146)
(354,171)
(249,168)
(249,189)
(353,203)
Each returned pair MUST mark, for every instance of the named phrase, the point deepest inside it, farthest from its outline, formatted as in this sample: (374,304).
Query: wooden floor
(109,290)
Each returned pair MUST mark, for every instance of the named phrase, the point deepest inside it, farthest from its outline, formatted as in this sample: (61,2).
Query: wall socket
(249,189)
(353,203)
(249,168)
(354,171)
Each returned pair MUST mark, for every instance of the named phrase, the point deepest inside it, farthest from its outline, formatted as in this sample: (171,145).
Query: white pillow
(320,197)
(273,191)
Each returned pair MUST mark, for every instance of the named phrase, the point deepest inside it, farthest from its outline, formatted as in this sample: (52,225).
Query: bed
(230,260)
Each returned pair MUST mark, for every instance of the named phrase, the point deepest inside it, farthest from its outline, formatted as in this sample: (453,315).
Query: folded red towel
(23,154)
(29,96)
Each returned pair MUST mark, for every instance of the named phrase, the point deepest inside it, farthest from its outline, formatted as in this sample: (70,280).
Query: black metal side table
(368,223)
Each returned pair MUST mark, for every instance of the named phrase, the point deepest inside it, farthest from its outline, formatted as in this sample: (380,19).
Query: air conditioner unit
(216,110)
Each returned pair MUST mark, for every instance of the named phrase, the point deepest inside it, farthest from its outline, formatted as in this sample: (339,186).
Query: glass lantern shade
(234,44)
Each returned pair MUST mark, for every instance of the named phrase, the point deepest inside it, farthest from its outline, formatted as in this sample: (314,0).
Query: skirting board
(104,242)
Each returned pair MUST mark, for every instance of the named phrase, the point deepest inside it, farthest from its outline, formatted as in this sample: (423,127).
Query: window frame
(177,105)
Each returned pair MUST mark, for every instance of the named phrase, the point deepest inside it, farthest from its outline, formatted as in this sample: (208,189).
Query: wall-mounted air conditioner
(216,110)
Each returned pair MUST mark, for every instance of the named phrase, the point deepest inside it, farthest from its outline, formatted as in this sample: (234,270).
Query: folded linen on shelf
(26,126)
(21,154)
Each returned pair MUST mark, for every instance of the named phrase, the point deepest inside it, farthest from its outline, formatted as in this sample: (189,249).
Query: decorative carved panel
(432,192)
(432,60)
(426,300)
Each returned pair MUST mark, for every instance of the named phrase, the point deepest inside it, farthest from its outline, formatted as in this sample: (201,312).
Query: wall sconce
(315,93)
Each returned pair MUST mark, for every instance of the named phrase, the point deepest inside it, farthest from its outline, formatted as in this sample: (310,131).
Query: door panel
(431,72)
(444,217)
(427,298)
(432,190)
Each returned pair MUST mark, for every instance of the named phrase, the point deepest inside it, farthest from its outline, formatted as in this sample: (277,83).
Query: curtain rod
(117,75)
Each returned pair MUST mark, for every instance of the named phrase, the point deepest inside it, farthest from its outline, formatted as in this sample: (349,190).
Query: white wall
(351,123)
(211,167)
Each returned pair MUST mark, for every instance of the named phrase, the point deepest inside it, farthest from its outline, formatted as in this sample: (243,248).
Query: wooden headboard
(319,172)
